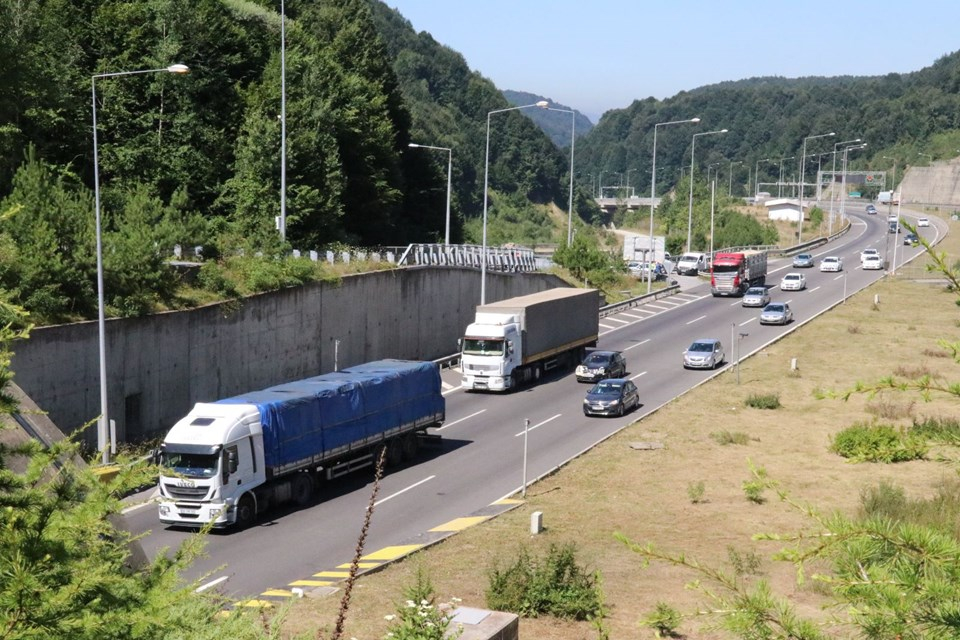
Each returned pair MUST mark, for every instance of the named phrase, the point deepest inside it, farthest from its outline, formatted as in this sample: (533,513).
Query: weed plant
(940,512)
(695,491)
(555,585)
(943,430)
(878,443)
(763,401)
(725,437)
(748,563)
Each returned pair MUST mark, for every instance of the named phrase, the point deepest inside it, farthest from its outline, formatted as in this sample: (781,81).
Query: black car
(602,364)
(612,397)
(911,239)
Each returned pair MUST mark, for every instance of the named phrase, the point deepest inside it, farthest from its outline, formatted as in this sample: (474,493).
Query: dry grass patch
(646,495)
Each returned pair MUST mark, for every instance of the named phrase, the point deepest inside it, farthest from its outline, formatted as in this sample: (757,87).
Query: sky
(597,55)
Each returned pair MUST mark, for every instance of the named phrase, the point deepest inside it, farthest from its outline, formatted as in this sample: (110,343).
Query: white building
(786,209)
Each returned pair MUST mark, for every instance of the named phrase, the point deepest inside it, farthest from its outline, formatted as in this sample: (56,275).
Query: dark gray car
(602,364)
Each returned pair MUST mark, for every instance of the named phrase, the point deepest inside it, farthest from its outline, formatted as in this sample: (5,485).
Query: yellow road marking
(460,523)
(311,583)
(392,553)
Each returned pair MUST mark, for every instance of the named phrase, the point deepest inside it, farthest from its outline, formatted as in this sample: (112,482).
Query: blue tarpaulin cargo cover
(311,419)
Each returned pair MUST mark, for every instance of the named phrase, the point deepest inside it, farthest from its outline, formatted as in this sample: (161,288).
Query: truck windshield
(191,465)
(725,268)
(482,346)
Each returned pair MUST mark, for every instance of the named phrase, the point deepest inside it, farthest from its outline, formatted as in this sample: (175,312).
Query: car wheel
(246,512)
(621,410)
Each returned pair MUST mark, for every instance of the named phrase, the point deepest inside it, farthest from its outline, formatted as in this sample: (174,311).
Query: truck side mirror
(232,461)
(460,344)
(510,347)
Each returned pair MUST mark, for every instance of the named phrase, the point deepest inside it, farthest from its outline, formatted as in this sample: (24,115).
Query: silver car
(776,313)
(803,261)
(756,297)
(705,353)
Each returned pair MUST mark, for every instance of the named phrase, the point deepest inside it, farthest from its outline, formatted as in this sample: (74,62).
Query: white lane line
(632,316)
(450,424)
(211,584)
(415,484)
(653,306)
(607,326)
(669,302)
(529,429)
(448,386)
(634,346)
(645,311)
(642,373)
(697,319)
(812,290)
(748,321)
(838,277)
(733,304)
(692,297)
(617,320)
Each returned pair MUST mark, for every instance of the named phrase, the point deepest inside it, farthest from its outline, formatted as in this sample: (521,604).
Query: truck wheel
(410,445)
(394,453)
(536,373)
(246,512)
(302,489)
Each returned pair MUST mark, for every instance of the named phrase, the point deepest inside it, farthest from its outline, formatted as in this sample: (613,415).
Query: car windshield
(599,358)
(804,256)
(775,308)
(702,346)
(756,292)
(607,387)
(791,276)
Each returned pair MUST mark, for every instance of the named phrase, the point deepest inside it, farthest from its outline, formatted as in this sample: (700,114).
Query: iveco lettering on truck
(731,274)
(514,341)
(230,460)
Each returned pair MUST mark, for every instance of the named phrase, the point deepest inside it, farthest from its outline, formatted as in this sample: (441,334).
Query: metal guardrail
(506,259)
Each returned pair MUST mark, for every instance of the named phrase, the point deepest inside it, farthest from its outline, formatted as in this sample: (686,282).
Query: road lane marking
(812,290)
(415,484)
(839,276)
(642,373)
(606,326)
(459,524)
(529,429)
(696,319)
(653,306)
(633,316)
(634,346)
(450,424)
(747,321)
(617,320)
(211,584)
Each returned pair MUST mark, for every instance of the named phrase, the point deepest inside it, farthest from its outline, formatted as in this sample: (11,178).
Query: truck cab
(208,461)
(490,351)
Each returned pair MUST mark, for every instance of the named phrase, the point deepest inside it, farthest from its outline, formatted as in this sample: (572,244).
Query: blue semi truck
(228,461)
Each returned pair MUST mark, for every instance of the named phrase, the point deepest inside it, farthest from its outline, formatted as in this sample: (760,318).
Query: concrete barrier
(159,366)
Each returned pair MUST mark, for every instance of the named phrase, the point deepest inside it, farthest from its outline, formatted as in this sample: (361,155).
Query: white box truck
(513,341)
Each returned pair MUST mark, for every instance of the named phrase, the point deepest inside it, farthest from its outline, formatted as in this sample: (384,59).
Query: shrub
(695,492)
(555,585)
(763,401)
(890,410)
(730,437)
(945,430)
(664,621)
(420,618)
(748,563)
(755,487)
(877,443)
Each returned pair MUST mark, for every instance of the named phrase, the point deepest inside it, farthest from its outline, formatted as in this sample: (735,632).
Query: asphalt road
(479,459)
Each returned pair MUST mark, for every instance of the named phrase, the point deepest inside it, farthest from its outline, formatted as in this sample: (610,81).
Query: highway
(479,459)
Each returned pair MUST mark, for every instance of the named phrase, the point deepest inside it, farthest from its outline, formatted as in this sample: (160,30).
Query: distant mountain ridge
(555,124)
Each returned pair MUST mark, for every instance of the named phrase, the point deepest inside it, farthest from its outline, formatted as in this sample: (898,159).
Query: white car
(923,222)
(793,282)
(872,262)
(867,253)
(831,263)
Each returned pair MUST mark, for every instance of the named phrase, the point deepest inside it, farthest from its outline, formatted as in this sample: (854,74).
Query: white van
(690,264)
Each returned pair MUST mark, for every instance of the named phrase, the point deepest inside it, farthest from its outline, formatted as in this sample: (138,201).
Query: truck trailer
(512,342)
(228,461)
(731,274)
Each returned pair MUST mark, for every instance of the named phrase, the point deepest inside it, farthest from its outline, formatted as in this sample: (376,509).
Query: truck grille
(480,367)
(185,493)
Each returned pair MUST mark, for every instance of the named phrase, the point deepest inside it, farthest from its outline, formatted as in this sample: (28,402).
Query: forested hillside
(898,115)
(195,159)
(556,124)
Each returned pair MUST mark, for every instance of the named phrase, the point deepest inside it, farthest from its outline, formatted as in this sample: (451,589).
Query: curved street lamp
(573,137)
(543,104)
(653,187)
(803,166)
(103,425)
(449,171)
(693,146)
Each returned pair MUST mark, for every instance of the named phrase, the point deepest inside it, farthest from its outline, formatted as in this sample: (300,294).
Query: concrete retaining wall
(159,366)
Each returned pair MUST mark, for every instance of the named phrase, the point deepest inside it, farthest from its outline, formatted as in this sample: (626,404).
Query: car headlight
(613,403)
(164,510)
(215,513)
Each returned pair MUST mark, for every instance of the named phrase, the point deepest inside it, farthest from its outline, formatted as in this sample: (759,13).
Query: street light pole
(486,183)
(103,426)
(780,181)
(833,179)
(803,166)
(693,146)
(730,178)
(573,137)
(843,179)
(449,171)
(653,186)
(756,176)
(283,125)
